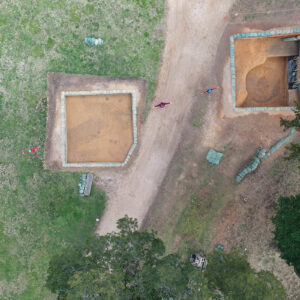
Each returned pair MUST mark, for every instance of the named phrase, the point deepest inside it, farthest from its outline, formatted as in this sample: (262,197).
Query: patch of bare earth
(246,220)
(98,122)
(231,221)
(187,56)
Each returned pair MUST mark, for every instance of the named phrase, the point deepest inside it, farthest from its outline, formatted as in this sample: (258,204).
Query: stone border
(276,32)
(64,132)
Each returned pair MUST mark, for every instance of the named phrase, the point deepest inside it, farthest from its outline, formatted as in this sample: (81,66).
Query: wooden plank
(88,184)
(282,48)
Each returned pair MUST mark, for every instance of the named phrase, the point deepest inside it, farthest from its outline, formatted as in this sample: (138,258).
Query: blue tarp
(93,41)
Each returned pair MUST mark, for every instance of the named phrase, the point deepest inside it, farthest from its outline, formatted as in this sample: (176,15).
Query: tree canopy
(287,229)
(231,274)
(130,264)
(293,147)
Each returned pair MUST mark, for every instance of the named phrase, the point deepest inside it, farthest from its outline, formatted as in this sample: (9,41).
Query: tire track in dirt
(194,29)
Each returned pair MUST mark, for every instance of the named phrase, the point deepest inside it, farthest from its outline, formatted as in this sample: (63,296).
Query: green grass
(249,17)
(201,210)
(196,123)
(198,119)
(41,212)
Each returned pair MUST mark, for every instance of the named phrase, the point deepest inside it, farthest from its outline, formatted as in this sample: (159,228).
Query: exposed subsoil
(99,128)
(260,80)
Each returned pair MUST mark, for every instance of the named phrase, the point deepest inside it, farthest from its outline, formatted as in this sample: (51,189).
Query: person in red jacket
(32,150)
(162,104)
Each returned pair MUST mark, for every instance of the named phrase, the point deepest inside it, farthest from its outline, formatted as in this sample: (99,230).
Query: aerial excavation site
(150,149)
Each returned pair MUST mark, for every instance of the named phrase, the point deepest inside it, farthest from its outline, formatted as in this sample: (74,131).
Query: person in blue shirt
(209,91)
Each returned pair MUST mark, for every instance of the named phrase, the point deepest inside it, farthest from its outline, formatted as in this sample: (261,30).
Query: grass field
(41,212)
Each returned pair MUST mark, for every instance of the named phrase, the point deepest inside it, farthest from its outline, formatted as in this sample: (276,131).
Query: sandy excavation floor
(267,84)
(260,80)
(99,128)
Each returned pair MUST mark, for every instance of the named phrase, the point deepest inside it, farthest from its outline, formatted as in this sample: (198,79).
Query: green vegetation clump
(41,212)
(196,218)
(38,51)
(50,44)
(293,147)
(3,21)
(231,274)
(287,229)
(132,265)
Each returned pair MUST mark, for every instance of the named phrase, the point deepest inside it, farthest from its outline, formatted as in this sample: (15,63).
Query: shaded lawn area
(41,212)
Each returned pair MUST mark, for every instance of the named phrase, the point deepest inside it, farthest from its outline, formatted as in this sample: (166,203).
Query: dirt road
(194,28)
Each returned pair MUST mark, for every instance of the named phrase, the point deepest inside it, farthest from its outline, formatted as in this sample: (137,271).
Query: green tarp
(214,157)
(261,153)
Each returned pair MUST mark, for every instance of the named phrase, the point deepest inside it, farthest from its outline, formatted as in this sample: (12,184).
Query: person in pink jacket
(162,104)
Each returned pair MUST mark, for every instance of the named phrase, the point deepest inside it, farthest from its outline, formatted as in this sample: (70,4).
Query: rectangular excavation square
(92,121)
(98,127)
(259,67)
